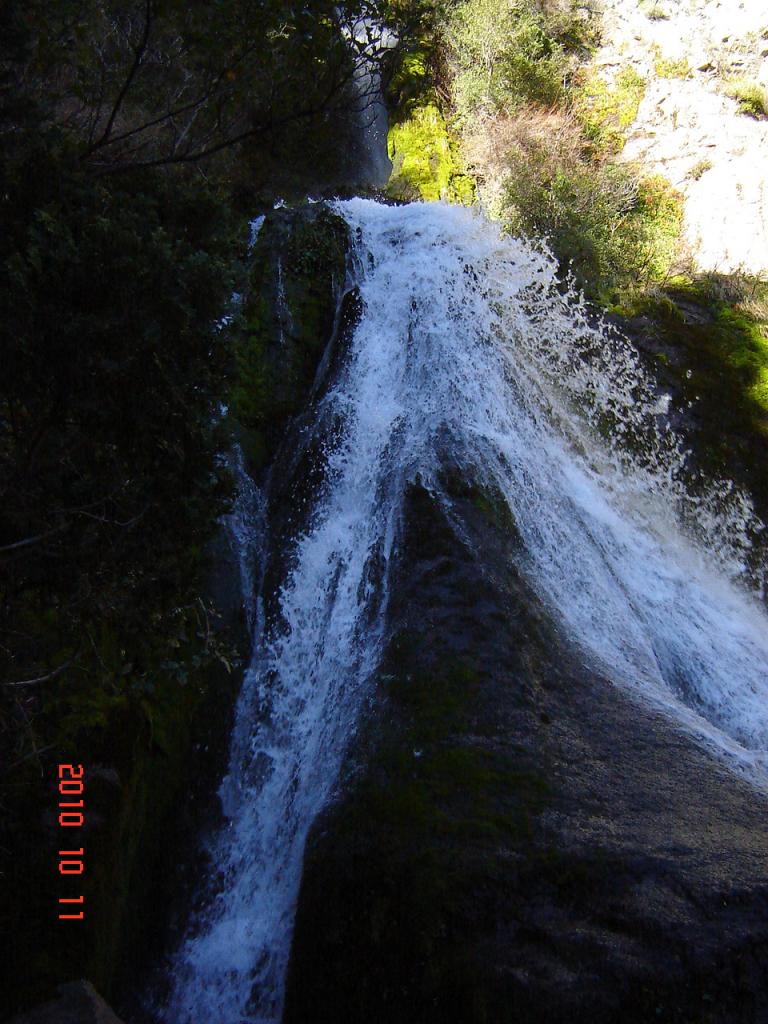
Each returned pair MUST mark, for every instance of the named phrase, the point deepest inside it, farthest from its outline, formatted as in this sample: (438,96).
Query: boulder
(77,1002)
(518,839)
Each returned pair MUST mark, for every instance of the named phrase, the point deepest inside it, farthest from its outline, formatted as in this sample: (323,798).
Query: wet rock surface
(519,839)
(76,1003)
(289,314)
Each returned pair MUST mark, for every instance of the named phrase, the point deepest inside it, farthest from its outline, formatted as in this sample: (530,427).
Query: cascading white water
(247,529)
(464,342)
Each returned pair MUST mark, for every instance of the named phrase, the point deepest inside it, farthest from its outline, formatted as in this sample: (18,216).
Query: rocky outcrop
(689,126)
(76,1003)
(520,840)
(296,280)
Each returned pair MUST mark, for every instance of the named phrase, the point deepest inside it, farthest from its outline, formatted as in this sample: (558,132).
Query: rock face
(77,1003)
(296,280)
(519,840)
(688,127)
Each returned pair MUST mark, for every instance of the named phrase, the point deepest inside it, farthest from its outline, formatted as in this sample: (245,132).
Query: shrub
(606,112)
(540,143)
(610,228)
(653,10)
(504,56)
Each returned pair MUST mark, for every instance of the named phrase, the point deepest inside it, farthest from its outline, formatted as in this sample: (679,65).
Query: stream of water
(464,340)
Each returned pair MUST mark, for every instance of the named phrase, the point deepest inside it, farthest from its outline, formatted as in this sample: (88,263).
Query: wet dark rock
(701,356)
(289,315)
(77,1003)
(518,839)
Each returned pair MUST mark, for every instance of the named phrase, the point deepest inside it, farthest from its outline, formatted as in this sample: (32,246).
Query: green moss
(299,266)
(256,449)
(422,147)
(716,358)
(410,85)
(421,842)
(606,112)
(495,509)
(449,789)
(435,704)
(745,348)
(252,390)
(425,161)
(318,246)
(432,775)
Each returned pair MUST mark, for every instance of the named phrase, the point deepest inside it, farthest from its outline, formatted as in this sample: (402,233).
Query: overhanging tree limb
(138,58)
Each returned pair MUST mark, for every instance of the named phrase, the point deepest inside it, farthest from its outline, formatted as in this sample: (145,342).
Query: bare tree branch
(45,678)
(28,541)
(138,58)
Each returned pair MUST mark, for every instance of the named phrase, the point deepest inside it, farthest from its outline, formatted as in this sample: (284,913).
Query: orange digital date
(71,815)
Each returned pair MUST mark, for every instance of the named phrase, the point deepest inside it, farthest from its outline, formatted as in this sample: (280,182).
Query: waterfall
(368,41)
(466,344)
(247,529)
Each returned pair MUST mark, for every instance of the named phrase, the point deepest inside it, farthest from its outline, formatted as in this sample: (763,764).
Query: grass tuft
(670,68)
(751,97)
(699,168)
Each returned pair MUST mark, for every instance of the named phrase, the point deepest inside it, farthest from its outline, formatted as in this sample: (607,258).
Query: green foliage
(699,169)
(606,112)
(751,97)
(671,68)
(609,228)
(657,222)
(113,284)
(144,84)
(121,199)
(113,364)
(554,130)
(504,55)
(425,162)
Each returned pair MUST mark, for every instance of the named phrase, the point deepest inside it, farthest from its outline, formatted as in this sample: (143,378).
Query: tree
(158,82)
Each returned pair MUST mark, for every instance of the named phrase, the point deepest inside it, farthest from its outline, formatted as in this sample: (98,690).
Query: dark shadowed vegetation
(137,141)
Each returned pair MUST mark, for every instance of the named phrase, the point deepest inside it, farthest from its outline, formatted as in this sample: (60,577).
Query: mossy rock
(296,281)
(425,160)
(413,853)
(426,163)
(712,355)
